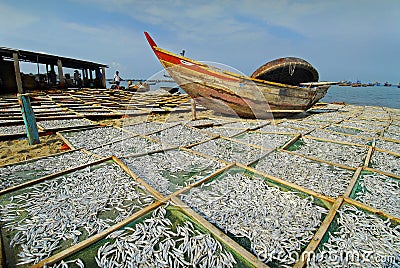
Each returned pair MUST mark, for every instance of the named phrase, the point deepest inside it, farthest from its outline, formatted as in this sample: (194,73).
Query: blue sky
(342,39)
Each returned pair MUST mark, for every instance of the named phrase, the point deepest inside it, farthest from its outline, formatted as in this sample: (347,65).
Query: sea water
(365,96)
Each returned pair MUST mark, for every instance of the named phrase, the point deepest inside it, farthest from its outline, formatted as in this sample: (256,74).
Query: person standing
(117,79)
(77,79)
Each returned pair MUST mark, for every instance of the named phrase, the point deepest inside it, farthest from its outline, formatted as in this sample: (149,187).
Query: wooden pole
(60,73)
(193,102)
(103,77)
(84,78)
(18,74)
(47,73)
(29,119)
(26,108)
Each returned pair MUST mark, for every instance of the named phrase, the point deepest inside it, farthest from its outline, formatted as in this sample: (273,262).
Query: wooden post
(83,78)
(47,73)
(26,108)
(193,102)
(60,73)
(18,74)
(103,77)
(29,119)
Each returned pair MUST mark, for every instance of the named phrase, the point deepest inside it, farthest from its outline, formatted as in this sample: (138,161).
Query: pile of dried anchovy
(317,176)
(48,124)
(230,151)
(94,137)
(128,146)
(170,170)
(381,192)
(348,155)
(157,242)
(64,211)
(12,175)
(360,240)
(265,140)
(385,162)
(277,223)
(180,135)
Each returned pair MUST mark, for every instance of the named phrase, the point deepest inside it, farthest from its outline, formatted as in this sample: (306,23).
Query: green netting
(177,217)
(296,145)
(53,215)
(191,197)
(340,248)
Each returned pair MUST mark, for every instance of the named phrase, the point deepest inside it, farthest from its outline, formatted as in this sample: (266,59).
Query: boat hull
(233,94)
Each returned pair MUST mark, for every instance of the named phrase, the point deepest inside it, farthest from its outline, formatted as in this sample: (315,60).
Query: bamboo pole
(197,183)
(60,73)
(313,245)
(368,157)
(353,182)
(318,160)
(370,209)
(394,176)
(287,184)
(150,189)
(77,247)
(291,142)
(219,234)
(333,141)
(51,176)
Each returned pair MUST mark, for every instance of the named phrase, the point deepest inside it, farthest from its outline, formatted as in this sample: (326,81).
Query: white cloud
(13,18)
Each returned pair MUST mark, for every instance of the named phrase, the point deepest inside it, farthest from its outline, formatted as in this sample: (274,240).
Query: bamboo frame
(77,247)
(353,182)
(386,151)
(207,178)
(319,160)
(370,209)
(343,134)
(153,191)
(394,176)
(37,158)
(368,157)
(219,234)
(288,184)
(313,245)
(333,141)
(51,176)
(77,127)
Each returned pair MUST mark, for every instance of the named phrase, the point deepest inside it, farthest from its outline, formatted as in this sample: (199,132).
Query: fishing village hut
(11,80)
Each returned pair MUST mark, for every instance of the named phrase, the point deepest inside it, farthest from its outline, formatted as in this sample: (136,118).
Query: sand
(19,150)
(13,151)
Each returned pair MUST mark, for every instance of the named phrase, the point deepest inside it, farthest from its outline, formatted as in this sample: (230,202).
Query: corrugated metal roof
(43,58)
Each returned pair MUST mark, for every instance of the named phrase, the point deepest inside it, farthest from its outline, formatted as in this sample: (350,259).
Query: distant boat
(344,83)
(230,93)
(387,84)
(398,85)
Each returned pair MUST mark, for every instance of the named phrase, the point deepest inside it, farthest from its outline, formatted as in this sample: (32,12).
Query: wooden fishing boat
(230,93)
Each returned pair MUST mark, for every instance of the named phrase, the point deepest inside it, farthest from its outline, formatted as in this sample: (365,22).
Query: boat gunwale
(228,73)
